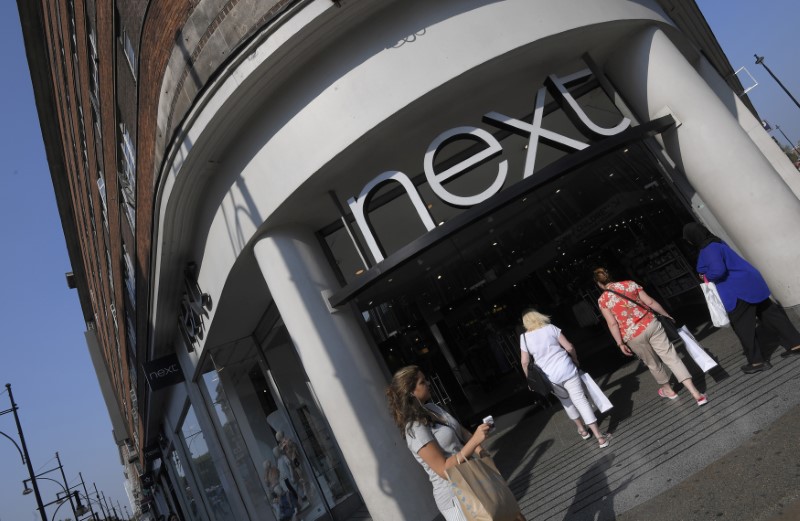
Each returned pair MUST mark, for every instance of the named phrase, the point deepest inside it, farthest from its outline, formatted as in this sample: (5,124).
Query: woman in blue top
(744,294)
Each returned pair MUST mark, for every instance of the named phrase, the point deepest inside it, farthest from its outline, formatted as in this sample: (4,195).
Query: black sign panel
(152,452)
(163,372)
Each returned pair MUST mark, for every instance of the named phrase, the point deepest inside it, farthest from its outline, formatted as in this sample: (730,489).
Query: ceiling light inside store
(359,271)
(557,191)
(438,277)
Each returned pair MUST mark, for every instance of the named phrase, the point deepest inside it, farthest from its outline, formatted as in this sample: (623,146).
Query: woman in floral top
(635,330)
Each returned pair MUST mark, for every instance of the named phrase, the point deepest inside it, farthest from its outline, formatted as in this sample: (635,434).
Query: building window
(134,408)
(183,487)
(113,309)
(262,404)
(127,175)
(130,328)
(129,274)
(127,49)
(110,272)
(205,471)
(94,74)
(101,188)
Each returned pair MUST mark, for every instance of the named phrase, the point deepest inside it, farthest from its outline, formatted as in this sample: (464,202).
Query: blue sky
(42,352)
(767,28)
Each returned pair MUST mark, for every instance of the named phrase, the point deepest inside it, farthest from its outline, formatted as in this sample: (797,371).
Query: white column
(750,124)
(346,377)
(748,197)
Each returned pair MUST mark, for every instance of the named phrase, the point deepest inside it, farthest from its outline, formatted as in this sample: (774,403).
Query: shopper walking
(745,295)
(556,356)
(627,310)
(433,436)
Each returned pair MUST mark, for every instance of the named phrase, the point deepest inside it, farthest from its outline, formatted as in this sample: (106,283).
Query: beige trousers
(654,349)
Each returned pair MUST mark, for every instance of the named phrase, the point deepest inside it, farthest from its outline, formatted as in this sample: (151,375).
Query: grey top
(418,435)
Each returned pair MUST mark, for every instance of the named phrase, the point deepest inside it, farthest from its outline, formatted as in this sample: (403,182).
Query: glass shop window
(202,464)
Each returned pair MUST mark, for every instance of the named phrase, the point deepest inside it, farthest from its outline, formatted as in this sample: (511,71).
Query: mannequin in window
(284,503)
(290,449)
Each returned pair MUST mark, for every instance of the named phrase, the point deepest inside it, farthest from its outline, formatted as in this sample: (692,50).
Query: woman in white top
(433,436)
(556,356)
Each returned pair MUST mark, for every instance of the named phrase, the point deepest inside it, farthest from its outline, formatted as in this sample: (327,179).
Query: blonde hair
(533,320)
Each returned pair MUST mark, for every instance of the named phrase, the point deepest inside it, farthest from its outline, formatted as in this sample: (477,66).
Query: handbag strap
(528,349)
(640,304)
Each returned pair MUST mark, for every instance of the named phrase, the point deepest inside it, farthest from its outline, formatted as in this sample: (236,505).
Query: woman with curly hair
(433,436)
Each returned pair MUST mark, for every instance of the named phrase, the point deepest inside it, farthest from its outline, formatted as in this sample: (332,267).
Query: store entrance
(455,310)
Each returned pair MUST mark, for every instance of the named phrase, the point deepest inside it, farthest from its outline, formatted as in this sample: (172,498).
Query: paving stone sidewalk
(734,458)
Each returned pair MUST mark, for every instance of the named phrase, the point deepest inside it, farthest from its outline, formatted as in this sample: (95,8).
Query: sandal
(585,434)
(662,394)
(606,437)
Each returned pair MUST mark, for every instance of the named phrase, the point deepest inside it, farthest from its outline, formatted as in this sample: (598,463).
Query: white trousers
(574,400)
(453,513)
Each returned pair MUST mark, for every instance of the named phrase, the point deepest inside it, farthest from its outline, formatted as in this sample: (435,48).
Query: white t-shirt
(549,355)
(418,435)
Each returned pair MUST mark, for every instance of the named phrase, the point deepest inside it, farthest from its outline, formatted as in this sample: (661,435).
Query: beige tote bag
(481,491)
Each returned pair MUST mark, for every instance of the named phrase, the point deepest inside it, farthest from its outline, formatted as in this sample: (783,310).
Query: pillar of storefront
(345,376)
(730,174)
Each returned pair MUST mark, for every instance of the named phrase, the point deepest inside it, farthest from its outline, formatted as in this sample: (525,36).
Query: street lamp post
(66,485)
(25,456)
(794,147)
(760,61)
(86,495)
(78,509)
(99,502)
(108,509)
(56,510)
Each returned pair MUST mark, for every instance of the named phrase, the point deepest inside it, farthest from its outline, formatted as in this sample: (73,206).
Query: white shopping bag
(719,317)
(595,393)
(696,351)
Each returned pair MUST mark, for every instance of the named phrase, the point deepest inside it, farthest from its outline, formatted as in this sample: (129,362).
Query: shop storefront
(400,198)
